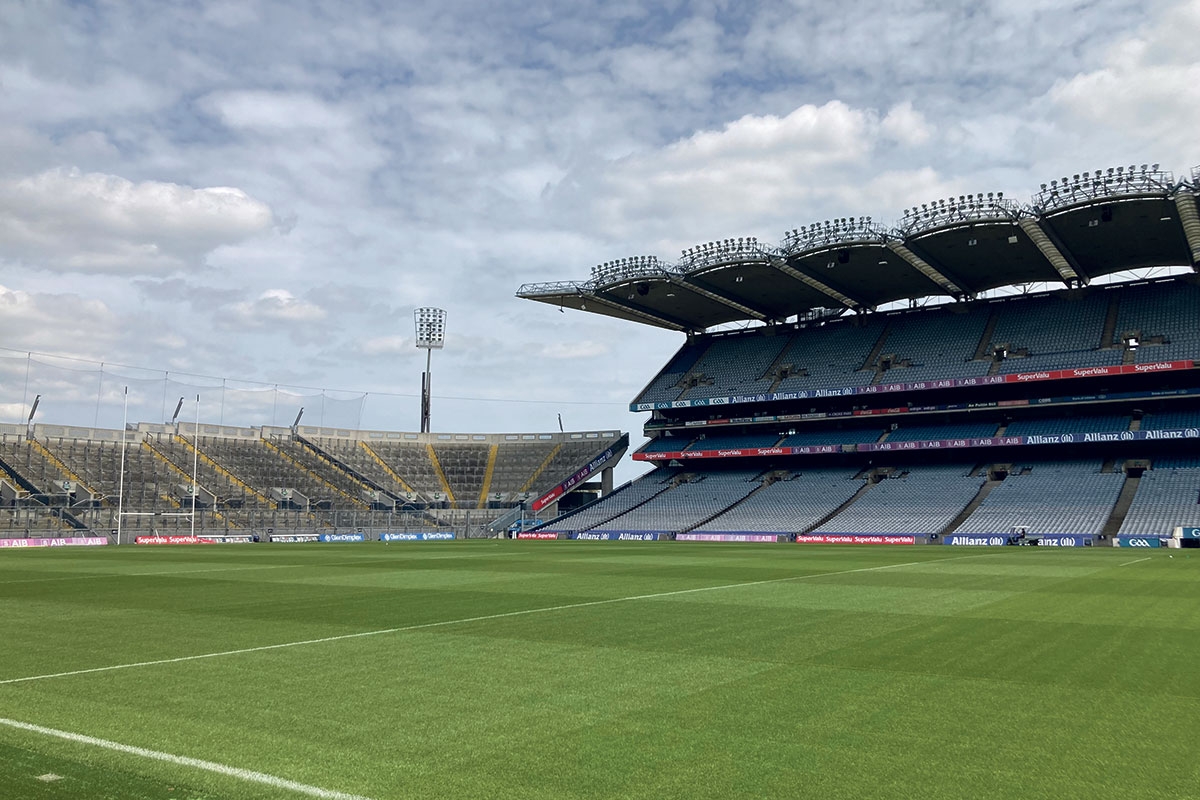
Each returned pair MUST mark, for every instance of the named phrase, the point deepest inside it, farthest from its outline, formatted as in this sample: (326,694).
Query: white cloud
(571,351)
(274,112)
(69,221)
(1145,97)
(906,125)
(386,345)
(56,323)
(426,157)
(276,306)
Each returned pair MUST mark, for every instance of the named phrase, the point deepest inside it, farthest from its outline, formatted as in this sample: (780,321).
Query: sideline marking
(1136,560)
(185,761)
(443,623)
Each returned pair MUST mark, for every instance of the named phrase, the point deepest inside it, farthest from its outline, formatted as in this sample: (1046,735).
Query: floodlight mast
(430,336)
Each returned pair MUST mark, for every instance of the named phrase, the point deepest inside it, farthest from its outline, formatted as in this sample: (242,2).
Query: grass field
(589,670)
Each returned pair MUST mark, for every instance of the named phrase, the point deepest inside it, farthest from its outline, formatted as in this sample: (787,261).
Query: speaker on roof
(1106,214)
(643,289)
(843,256)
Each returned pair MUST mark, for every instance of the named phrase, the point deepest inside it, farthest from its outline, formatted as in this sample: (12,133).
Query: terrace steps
(731,506)
(59,464)
(234,479)
(866,487)
(873,356)
(634,507)
(985,340)
(441,475)
(315,476)
(177,471)
(1110,323)
(969,509)
(542,468)
(1121,508)
(386,467)
(339,465)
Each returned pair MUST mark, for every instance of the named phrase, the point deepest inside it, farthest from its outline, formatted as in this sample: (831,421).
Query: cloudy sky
(246,195)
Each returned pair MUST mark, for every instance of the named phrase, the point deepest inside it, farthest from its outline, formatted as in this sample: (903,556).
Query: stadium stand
(252,479)
(932,345)
(1045,332)
(789,504)
(1057,324)
(735,365)
(1164,316)
(1054,426)
(828,356)
(1166,420)
(1166,497)
(619,502)
(667,385)
(721,441)
(833,436)
(1071,497)
(956,430)
(687,503)
(911,500)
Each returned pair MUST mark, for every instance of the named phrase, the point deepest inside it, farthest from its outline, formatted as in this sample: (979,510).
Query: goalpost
(121,512)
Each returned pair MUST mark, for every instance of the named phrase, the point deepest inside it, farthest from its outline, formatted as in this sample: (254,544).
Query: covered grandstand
(878,383)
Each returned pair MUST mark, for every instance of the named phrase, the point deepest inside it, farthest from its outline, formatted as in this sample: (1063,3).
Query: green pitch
(593,670)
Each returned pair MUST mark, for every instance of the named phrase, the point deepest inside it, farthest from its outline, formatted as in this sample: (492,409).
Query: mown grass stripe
(186,761)
(461,621)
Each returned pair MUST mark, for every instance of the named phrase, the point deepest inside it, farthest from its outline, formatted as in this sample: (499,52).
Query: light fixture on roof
(430,335)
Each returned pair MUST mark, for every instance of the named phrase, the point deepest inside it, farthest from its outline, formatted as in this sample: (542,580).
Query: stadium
(1064,416)
(987,373)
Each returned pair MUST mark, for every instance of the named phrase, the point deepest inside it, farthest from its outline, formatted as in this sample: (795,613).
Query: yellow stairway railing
(229,476)
(386,467)
(441,476)
(487,475)
(316,476)
(532,478)
(58,463)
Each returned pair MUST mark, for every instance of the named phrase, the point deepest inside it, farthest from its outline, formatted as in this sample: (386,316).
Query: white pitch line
(185,761)
(1136,560)
(462,621)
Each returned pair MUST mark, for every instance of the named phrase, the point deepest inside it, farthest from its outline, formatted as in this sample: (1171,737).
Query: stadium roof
(1074,229)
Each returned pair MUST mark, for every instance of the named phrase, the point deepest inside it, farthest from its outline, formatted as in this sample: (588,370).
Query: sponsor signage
(854,538)
(982,380)
(341,537)
(69,541)
(975,540)
(173,540)
(1138,541)
(231,538)
(726,537)
(570,483)
(866,412)
(933,444)
(292,538)
(616,536)
(1187,533)
(537,534)
(1062,540)
(415,537)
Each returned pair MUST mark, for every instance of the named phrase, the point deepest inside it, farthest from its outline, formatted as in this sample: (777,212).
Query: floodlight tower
(431,335)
